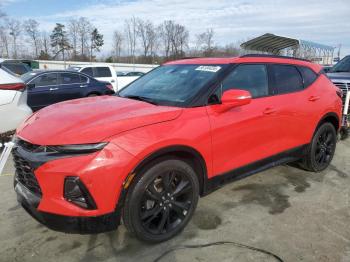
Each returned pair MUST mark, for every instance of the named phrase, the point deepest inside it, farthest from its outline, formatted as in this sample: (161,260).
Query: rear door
(294,107)
(71,86)
(43,93)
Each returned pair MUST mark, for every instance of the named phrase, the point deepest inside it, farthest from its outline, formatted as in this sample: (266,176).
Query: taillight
(110,86)
(16,87)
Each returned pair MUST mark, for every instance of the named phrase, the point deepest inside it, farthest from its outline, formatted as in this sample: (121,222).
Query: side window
(88,71)
(83,79)
(252,78)
(102,72)
(67,78)
(46,80)
(287,79)
(309,76)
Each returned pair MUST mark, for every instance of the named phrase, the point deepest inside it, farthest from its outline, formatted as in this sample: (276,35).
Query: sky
(325,22)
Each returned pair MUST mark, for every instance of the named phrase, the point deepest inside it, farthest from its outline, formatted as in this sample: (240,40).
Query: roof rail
(275,56)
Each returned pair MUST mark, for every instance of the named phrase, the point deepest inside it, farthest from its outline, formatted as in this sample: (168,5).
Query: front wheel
(161,201)
(322,148)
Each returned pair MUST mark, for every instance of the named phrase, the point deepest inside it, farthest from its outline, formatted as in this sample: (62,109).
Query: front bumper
(67,224)
(39,184)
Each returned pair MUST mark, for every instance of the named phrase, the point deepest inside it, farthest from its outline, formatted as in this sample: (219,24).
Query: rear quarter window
(308,75)
(286,79)
(88,71)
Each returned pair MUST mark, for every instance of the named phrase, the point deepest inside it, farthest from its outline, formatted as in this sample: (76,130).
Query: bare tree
(84,31)
(14,27)
(175,39)
(31,28)
(166,31)
(148,36)
(205,42)
(4,42)
(117,43)
(73,31)
(131,34)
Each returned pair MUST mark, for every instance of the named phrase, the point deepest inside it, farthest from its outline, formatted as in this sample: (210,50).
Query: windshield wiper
(142,98)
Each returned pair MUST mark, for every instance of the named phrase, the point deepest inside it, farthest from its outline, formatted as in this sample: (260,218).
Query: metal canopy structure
(277,45)
(270,43)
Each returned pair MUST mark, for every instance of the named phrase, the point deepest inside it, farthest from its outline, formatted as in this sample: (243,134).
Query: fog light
(76,193)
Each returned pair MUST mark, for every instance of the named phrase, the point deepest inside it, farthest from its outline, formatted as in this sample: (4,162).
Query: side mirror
(234,98)
(30,86)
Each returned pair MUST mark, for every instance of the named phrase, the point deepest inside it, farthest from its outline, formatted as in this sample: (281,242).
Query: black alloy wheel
(321,149)
(166,202)
(162,201)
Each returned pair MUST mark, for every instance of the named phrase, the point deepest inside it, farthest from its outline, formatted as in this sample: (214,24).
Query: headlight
(84,148)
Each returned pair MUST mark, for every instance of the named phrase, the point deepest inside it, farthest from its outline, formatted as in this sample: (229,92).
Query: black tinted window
(67,78)
(83,79)
(287,79)
(46,80)
(103,72)
(87,71)
(18,69)
(252,78)
(309,76)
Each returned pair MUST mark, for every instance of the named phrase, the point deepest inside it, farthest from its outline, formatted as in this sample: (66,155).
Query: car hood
(340,75)
(91,120)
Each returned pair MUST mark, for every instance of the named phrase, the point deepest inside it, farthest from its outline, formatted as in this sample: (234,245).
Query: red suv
(145,155)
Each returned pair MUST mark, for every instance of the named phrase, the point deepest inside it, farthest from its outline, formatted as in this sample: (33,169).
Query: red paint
(226,139)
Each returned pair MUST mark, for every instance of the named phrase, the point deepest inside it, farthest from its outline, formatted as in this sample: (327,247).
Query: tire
(321,150)
(161,201)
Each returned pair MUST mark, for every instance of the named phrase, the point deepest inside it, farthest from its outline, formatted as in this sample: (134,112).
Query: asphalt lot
(297,215)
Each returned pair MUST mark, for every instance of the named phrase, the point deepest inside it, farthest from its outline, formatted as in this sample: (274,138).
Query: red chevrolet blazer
(145,155)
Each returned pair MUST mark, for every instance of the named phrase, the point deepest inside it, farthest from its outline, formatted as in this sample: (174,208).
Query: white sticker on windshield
(212,69)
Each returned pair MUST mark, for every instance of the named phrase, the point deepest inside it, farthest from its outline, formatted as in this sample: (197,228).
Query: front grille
(345,87)
(25,173)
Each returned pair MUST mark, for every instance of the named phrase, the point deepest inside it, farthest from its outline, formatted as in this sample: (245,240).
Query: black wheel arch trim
(166,152)
(329,115)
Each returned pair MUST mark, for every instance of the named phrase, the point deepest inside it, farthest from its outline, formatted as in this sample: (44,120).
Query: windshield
(342,66)
(172,84)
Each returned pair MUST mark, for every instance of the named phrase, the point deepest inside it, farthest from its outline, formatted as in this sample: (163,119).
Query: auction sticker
(212,69)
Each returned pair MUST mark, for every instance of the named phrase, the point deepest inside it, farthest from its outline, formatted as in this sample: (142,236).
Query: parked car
(179,132)
(99,72)
(13,104)
(340,76)
(134,73)
(47,87)
(15,66)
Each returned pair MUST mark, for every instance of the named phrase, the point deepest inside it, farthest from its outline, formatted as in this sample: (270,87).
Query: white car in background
(13,103)
(104,73)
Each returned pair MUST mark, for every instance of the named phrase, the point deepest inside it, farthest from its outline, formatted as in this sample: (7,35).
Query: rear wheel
(161,201)
(321,150)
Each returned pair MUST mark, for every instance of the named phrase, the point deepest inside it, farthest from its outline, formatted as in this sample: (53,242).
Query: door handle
(112,81)
(269,111)
(53,89)
(83,85)
(314,98)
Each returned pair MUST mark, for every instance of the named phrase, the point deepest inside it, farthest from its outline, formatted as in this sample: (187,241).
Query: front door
(43,90)
(245,134)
